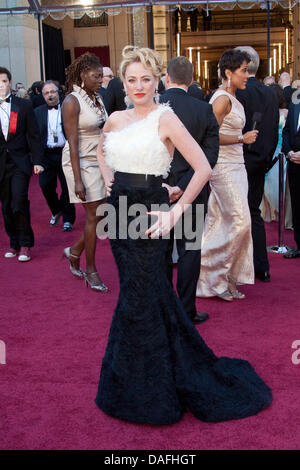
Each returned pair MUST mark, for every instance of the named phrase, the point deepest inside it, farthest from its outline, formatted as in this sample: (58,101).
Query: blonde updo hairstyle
(149,58)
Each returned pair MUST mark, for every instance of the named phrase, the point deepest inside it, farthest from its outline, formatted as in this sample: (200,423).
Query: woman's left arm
(171,129)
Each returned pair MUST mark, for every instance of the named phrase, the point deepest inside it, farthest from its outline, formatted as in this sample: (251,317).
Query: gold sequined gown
(227,250)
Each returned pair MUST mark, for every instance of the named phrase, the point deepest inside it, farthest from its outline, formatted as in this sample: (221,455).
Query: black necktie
(53,107)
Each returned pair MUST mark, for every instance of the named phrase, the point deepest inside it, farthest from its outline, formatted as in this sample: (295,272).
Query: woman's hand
(80,190)
(108,186)
(164,224)
(38,169)
(174,192)
(250,137)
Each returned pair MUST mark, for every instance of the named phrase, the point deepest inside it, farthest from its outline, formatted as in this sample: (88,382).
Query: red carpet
(55,331)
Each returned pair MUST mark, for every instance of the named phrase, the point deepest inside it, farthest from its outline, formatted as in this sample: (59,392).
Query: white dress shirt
(55,128)
(5,117)
(298,122)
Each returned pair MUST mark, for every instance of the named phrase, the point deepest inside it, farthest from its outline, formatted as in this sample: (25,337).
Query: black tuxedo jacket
(41,114)
(257,97)
(24,142)
(200,121)
(114,96)
(290,135)
(288,92)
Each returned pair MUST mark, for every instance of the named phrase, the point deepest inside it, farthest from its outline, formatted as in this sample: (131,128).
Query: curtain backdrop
(54,54)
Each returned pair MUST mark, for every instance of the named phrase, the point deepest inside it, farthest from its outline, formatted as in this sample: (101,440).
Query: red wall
(102,52)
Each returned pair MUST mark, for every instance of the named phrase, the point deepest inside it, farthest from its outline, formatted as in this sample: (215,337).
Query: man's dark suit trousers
(256,182)
(48,184)
(294,182)
(15,205)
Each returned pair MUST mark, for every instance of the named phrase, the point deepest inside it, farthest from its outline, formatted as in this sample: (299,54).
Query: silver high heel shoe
(67,254)
(227,295)
(93,285)
(236,294)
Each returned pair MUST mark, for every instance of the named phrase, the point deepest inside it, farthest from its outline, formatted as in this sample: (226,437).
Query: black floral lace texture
(156,365)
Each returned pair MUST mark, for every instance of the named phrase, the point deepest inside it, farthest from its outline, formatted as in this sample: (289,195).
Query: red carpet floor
(55,332)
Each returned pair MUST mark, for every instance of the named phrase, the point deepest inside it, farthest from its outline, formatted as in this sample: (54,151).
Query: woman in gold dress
(227,251)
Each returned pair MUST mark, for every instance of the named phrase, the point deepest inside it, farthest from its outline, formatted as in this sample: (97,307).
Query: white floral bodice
(137,148)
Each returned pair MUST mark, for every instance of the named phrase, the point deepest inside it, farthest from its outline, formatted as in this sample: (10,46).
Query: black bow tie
(6,100)
(53,107)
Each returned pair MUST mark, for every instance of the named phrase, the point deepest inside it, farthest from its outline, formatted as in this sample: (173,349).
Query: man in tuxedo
(107,77)
(285,83)
(114,96)
(53,141)
(260,99)
(36,96)
(195,91)
(198,118)
(291,148)
(19,136)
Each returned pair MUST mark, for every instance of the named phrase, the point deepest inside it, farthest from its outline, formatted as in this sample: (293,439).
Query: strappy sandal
(67,254)
(236,294)
(95,285)
(227,295)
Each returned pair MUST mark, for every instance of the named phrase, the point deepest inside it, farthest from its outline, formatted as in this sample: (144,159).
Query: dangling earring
(228,83)
(127,100)
(82,84)
(156,96)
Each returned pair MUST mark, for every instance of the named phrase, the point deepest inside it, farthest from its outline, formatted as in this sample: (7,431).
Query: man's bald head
(284,79)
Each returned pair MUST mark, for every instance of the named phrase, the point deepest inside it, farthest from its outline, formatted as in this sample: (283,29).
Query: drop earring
(228,82)
(127,100)
(156,96)
(82,84)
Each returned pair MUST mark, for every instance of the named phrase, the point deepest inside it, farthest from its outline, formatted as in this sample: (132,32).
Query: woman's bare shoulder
(169,118)
(116,120)
(222,104)
(70,102)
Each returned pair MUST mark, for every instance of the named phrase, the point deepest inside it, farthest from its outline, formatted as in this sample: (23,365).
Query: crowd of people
(106,137)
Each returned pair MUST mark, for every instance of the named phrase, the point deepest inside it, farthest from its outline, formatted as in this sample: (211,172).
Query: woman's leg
(76,251)
(90,239)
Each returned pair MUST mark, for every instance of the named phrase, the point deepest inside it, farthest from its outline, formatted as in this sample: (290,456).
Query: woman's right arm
(70,113)
(105,170)
(221,107)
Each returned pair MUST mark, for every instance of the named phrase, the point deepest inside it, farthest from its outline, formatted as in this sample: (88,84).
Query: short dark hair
(280,95)
(232,59)
(38,86)
(7,72)
(180,70)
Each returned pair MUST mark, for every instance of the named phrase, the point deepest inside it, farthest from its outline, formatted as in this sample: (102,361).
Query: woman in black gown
(156,365)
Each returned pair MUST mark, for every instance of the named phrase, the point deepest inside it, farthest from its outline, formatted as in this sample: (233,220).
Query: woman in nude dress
(227,251)
(83,117)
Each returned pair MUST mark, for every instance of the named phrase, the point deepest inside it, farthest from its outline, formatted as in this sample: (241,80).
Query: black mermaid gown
(156,365)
